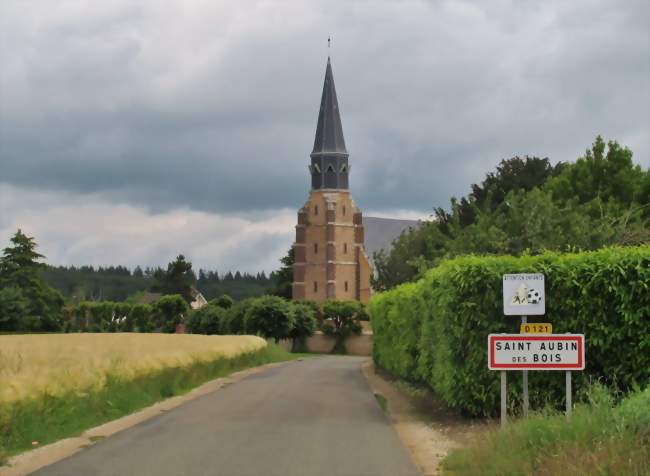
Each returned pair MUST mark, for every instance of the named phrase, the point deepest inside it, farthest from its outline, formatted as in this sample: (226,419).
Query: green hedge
(435,330)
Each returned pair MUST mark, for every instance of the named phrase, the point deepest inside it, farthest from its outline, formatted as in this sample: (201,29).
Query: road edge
(33,460)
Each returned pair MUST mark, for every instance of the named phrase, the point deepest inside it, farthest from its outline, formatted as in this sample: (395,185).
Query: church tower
(330,259)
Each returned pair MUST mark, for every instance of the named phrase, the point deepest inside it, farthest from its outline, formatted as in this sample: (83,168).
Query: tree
(14,308)
(168,312)
(304,325)
(235,319)
(206,320)
(528,206)
(178,279)
(224,301)
(282,278)
(20,268)
(270,316)
(342,320)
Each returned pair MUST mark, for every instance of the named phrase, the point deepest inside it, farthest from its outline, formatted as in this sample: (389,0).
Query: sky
(135,130)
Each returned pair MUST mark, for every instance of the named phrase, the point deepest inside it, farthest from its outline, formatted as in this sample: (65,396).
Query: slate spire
(329,160)
(329,131)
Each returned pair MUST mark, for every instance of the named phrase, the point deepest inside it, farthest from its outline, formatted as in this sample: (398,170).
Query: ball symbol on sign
(534,297)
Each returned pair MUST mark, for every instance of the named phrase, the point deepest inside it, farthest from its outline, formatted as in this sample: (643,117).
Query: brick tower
(330,259)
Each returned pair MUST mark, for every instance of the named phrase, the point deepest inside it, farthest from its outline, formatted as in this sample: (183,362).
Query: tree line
(528,206)
(119,283)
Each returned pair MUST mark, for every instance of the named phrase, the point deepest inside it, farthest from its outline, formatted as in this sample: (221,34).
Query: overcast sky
(134,130)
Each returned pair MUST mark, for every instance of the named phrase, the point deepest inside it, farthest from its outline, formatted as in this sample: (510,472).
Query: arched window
(343,210)
(315,248)
(346,286)
(345,248)
(315,286)
(315,209)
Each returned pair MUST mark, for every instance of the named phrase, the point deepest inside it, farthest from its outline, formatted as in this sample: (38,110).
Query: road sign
(536,352)
(536,328)
(523,294)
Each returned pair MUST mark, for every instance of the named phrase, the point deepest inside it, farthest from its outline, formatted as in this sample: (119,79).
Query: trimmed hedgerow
(435,330)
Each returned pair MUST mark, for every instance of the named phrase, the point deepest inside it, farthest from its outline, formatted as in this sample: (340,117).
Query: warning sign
(536,352)
(523,294)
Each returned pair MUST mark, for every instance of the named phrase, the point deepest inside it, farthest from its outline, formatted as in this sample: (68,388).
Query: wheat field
(53,364)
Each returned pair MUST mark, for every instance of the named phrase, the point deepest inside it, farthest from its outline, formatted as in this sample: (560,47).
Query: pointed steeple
(329,131)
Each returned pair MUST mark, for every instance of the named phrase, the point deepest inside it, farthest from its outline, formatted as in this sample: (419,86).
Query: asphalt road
(313,417)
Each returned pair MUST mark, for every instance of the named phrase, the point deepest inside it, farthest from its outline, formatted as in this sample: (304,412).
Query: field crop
(55,364)
(57,385)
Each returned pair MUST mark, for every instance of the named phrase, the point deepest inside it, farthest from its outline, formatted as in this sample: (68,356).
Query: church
(330,256)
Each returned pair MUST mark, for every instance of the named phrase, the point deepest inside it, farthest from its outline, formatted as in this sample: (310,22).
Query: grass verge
(46,419)
(600,439)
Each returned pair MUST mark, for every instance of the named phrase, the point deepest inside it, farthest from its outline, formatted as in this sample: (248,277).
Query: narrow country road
(312,417)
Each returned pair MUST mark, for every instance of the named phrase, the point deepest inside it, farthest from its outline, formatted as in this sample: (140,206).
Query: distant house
(198,302)
(199,299)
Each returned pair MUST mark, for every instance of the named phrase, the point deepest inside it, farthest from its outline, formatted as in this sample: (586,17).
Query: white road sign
(536,352)
(523,294)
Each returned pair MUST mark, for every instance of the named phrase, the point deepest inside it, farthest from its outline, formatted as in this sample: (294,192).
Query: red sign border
(579,338)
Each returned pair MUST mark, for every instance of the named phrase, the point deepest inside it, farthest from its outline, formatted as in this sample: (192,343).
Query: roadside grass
(46,418)
(382,401)
(601,439)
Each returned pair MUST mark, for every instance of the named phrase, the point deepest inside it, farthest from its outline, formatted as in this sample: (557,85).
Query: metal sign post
(504,396)
(524,320)
(568,395)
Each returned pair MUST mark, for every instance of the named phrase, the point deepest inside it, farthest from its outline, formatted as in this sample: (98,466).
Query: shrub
(207,320)
(435,330)
(139,318)
(224,301)
(304,325)
(168,312)
(271,317)
(235,320)
(342,321)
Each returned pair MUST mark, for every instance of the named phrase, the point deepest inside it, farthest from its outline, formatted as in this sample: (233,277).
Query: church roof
(329,131)
(380,232)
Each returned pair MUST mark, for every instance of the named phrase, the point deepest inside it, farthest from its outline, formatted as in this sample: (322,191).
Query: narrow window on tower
(345,248)
(315,248)
(315,209)
(315,286)
(346,286)
(343,210)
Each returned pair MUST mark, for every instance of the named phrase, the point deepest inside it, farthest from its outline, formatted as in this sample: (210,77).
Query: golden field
(53,364)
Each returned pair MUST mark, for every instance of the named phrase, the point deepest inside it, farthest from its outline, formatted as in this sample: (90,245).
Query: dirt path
(426,426)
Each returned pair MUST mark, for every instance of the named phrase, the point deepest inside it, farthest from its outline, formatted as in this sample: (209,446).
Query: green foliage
(224,301)
(20,269)
(178,279)
(117,283)
(282,278)
(528,207)
(271,317)
(207,320)
(168,312)
(235,319)
(139,318)
(342,320)
(435,330)
(304,324)
(599,439)
(14,308)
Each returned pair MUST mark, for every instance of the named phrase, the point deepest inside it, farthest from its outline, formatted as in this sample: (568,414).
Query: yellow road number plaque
(536,328)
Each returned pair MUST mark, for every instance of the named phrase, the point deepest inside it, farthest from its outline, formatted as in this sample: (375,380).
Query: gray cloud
(211,106)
